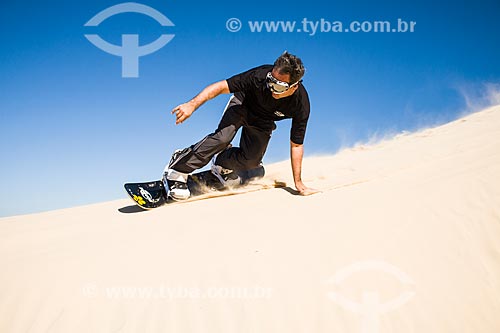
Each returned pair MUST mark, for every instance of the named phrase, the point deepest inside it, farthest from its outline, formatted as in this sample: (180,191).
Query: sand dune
(405,237)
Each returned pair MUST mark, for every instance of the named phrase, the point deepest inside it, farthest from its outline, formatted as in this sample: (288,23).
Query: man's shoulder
(260,71)
(303,95)
(264,67)
(303,101)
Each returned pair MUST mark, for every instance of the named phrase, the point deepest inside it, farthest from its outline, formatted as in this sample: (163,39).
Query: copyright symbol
(233,24)
(89,291)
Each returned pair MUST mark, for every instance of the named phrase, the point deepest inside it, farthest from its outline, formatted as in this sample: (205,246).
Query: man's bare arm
(296,155)
(184,111)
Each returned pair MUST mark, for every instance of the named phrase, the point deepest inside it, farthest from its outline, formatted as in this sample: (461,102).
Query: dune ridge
(404,237)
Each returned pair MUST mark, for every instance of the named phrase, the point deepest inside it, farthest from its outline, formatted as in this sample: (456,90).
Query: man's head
(289,64)
(287,69)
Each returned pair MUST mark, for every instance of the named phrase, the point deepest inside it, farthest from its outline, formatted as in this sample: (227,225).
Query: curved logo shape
(148,195)
(371,308)
(130,50)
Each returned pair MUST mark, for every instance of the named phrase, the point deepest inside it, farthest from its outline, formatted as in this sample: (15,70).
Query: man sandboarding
(262,95)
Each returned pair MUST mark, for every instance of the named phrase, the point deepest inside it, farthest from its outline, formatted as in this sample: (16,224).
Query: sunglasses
(276,86)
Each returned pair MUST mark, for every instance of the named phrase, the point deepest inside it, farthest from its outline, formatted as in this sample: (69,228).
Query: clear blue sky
(72,130)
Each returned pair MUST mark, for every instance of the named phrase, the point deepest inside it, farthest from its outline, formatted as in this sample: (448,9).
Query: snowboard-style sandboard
(202,185)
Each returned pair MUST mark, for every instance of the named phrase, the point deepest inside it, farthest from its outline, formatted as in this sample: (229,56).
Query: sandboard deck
(202,185)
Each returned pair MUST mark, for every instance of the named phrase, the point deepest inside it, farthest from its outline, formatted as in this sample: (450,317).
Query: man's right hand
(183,112)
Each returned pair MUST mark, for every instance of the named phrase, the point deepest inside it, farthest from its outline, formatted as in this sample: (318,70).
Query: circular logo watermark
(233,24)
(130,51)
(371,307)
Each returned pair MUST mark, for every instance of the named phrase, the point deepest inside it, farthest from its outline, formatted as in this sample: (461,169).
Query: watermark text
(322,25)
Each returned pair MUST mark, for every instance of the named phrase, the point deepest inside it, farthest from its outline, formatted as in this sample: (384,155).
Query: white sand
(405,237)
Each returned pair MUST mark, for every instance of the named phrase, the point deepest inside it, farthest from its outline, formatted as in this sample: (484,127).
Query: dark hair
(289,64)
